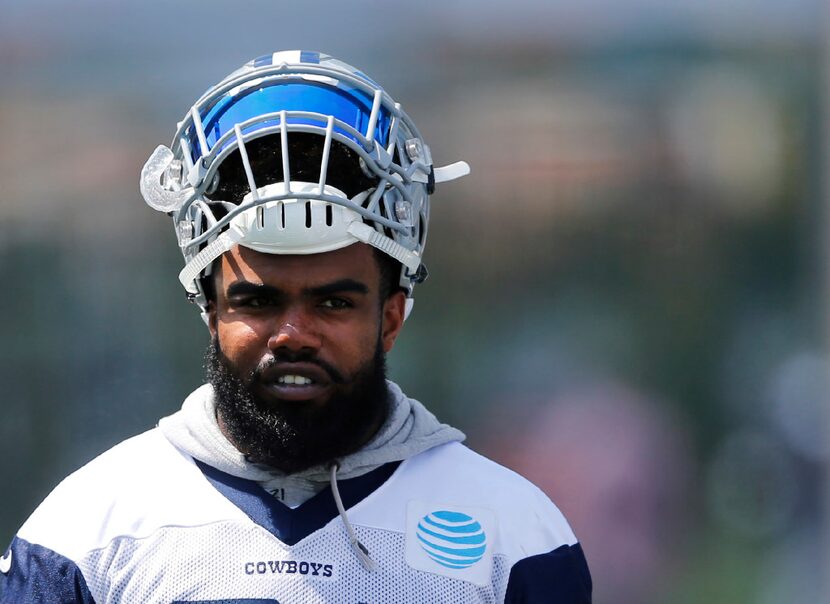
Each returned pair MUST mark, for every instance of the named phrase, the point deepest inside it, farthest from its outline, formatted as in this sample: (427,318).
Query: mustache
(282,357)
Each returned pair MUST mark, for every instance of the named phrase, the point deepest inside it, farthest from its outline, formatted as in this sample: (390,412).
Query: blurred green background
(626,300)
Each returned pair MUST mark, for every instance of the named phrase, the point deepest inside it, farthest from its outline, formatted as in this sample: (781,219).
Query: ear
(215,284)
(393,316)
(211,314)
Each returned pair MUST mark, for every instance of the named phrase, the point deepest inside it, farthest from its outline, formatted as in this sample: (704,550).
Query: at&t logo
(452,539)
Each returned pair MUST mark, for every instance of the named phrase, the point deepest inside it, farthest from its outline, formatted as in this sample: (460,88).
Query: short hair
(344,172)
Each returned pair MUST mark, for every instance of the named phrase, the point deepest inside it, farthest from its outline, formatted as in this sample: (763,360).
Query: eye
(254,302)
(336,303)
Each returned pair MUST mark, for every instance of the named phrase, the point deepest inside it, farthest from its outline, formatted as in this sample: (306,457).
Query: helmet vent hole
(329,218)
(260,217)
(282,215)
(308,214)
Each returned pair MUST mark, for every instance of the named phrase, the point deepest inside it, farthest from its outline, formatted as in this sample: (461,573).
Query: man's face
(297,353)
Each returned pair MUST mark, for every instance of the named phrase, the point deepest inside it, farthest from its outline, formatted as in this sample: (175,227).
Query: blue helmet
(276,95)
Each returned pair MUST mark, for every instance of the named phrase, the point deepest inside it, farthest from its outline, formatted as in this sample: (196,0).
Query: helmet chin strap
(363,232)
(223,243)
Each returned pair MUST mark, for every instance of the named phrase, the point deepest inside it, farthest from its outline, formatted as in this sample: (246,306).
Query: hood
(408,430)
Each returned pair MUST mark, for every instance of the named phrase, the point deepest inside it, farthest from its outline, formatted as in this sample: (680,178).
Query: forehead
(355,261)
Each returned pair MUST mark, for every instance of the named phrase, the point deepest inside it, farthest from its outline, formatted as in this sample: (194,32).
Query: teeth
(294,379)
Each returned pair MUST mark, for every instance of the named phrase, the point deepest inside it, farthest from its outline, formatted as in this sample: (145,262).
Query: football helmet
(287,95)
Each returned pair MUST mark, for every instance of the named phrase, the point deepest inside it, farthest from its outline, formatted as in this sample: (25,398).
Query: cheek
(350,347)
(356,346)
(241,343)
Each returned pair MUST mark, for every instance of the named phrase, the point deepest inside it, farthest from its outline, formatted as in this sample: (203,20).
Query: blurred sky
(596,20)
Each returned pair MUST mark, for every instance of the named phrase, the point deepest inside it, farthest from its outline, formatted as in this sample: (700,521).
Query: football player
(299,193)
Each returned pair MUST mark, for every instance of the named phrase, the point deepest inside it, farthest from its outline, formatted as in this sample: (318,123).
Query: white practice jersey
(146,522)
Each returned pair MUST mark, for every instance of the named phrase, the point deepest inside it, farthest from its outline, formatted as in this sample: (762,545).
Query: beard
(291,436)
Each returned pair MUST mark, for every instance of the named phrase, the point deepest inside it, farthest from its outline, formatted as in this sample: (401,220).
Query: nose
(294,335)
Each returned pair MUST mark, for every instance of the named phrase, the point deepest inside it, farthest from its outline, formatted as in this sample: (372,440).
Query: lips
(295,381)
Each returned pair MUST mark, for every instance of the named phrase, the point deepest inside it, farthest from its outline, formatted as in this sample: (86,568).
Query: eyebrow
(340,286)
(242,288)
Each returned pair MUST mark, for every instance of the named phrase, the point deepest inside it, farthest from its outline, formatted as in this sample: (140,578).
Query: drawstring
(359,549)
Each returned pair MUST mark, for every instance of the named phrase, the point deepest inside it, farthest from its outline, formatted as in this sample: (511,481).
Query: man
(299,193)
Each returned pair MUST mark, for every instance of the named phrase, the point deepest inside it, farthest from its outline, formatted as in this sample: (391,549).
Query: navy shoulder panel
(37,575)
(557,577)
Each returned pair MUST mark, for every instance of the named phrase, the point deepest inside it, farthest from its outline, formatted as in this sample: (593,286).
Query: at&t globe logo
(452,539)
